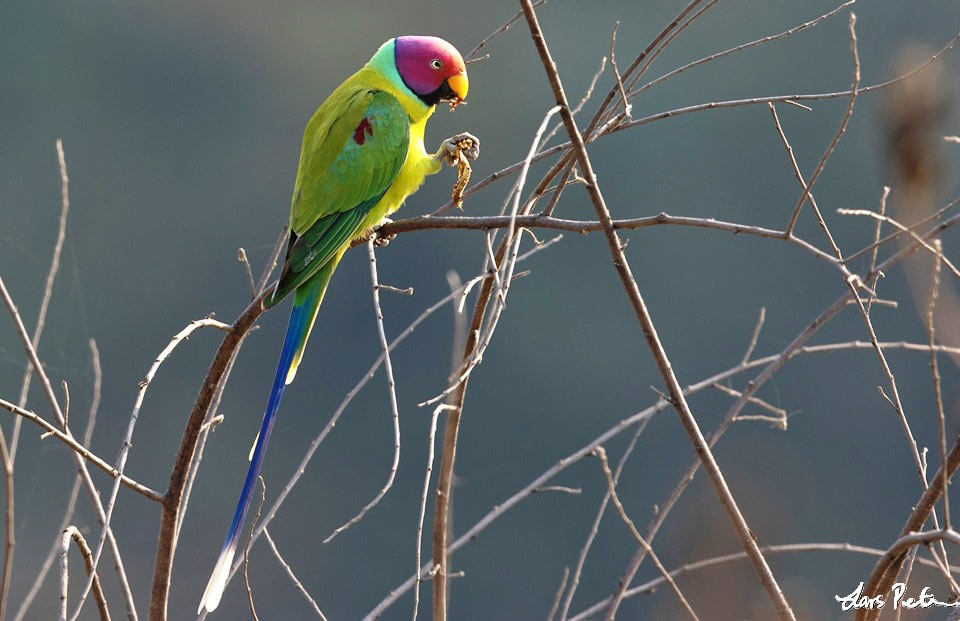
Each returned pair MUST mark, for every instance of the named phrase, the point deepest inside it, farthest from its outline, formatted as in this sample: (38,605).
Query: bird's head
(432,68)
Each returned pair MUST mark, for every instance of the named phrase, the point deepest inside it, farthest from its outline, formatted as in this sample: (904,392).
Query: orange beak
(459,84)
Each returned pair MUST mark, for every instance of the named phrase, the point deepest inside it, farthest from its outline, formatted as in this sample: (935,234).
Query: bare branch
(560,589)
(47,295)
(930,247)
(796,348)
(612,490)
(392,388)
(128,437)
(423,497)
(242,257)
(74,492)
(78,458)
(935,374)
(69,533)
(82,451)
(293,577)
(472,54)
(742,47)
(179,475)
(649,587)
(627,108)
(649,331)
(755,336)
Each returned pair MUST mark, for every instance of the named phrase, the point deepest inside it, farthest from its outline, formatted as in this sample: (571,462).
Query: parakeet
(362,156)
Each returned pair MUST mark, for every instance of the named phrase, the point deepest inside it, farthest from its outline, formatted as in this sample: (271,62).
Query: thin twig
(586,97)
(45,301)
(242,257)
(10,530)
(272,261)
(929,247)
(74,492)
(594,529)
(906,576)
(559,594)
(64,575)
(755,336)
(472,54)
(740,48)
(876,241)
(9,452)
(69,533)
(392,389)
(666,42)
(913,227)
(293,576)
(398,290)
(779,415)
(589,226)
(246,550)
(82,451)
(935,374)
(423,496)
(627,108)
(612,489)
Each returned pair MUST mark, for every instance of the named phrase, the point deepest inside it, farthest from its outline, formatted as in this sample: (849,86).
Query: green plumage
(353,148)
(362,156)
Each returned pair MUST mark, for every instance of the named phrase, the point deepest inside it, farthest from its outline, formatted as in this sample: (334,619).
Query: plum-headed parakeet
(362,156)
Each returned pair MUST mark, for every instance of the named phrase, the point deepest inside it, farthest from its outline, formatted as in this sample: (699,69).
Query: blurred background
(182,122)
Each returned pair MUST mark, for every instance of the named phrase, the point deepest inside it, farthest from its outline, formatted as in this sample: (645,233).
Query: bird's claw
(382,240)
(465,143)
(379,239)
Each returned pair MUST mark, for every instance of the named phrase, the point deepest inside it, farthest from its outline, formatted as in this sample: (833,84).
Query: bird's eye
(436,64)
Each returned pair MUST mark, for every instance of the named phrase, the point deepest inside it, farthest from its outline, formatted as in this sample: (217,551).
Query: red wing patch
(363,130)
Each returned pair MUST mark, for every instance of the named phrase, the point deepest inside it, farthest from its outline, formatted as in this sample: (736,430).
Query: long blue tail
(306,303)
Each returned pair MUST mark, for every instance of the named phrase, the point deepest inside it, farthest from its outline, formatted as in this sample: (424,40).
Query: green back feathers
(353,148)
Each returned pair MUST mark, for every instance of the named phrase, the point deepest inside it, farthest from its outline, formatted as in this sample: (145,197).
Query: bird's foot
(380,240)
(465,143)
(455,151)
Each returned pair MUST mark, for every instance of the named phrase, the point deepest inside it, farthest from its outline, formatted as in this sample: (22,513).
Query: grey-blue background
(182,122)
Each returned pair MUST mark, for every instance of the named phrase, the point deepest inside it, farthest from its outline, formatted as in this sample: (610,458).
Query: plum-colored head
(432,68)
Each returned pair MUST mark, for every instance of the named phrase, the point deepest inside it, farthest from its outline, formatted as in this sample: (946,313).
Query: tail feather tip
(218,581)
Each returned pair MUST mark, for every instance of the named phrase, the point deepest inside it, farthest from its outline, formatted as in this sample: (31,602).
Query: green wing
(353,148)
